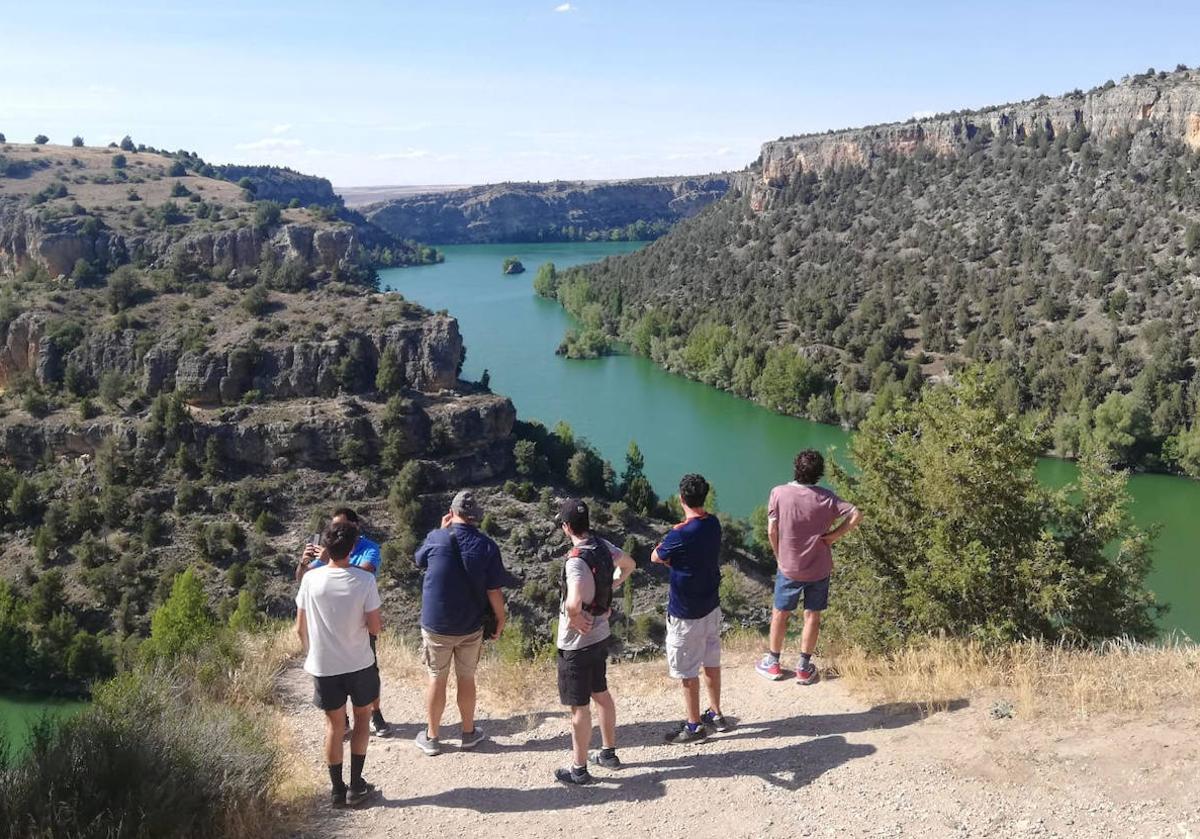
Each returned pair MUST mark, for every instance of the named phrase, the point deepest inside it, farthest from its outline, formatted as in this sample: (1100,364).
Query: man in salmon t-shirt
(801,519)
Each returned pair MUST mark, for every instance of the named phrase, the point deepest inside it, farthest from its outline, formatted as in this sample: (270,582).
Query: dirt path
(802,762)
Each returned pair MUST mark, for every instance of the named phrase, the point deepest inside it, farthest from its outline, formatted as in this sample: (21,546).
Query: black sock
(773,654)
(335,777)
(377,717)
(356,768)
(805,660)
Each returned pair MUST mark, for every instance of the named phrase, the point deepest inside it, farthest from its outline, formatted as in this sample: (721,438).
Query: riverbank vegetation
(1067,262)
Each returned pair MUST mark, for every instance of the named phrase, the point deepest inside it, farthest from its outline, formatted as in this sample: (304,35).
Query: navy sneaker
(359,794)
(683,734)
(608,761)
(715,721)
(578,777)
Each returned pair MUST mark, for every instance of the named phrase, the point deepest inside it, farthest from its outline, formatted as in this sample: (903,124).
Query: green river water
(683,426)
(19,713)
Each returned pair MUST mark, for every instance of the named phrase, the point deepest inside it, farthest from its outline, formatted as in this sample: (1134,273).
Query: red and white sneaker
(807,675)
(769,668)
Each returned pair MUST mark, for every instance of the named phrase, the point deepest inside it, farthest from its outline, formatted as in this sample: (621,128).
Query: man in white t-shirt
(337,612)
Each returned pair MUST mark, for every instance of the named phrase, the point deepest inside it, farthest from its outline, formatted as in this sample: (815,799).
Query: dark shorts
(789,591)
(361,686)
(582,673)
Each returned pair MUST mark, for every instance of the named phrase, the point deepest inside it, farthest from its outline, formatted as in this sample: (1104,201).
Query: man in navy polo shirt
(367,557)
(692,550)
(463,575)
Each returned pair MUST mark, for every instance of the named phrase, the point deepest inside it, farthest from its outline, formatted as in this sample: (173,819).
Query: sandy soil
(803,761)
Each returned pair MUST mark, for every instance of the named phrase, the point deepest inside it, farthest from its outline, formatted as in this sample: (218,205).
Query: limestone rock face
(1167,108)
(515,212)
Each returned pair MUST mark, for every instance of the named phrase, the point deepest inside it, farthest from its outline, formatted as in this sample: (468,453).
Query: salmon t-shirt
(805,512)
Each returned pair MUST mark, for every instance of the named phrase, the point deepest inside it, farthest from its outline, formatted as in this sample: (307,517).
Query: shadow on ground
(788,767)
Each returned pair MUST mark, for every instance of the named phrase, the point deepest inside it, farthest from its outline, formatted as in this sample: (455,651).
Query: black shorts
(361,686)
(582,673)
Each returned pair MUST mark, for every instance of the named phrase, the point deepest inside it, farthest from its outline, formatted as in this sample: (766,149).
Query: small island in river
(512,265)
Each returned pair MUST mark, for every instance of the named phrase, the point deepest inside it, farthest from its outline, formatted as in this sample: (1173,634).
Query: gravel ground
(802,761)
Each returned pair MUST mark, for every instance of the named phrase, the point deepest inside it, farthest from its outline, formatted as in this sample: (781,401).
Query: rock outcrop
(555,211)
(429,351)
(1164,105)
(278,183)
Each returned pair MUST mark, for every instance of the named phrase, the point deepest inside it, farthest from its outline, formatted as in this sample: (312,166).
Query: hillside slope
(558,211)
(1058,237)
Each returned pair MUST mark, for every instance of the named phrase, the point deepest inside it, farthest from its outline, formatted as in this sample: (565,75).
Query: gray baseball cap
(465,505)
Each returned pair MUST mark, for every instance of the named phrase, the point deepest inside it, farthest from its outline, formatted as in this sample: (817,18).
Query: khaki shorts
(440,649)
(693,643)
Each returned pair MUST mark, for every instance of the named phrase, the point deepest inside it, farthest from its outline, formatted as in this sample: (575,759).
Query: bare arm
(577,619)
(302,629)
(848,524)
(374,622)
(773,535)
(496,599)
(311,552)
(624,567)
(655,558)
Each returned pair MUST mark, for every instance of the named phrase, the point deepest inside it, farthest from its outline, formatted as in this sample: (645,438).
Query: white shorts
(693,643)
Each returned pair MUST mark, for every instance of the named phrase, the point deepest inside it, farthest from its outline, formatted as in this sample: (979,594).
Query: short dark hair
(346,513)
(809,466)
(339,539)
(693,490)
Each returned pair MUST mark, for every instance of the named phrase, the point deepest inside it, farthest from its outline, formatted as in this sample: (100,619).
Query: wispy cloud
(564,7)
(402,154)
(282,128)
(270,143)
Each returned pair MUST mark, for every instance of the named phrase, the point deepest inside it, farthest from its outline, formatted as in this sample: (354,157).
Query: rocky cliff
(1148,106)
(557,211)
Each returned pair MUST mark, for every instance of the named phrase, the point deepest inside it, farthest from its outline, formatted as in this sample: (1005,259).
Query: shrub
(124,288)
(176,170)
(127,144)
(257,300)
(146,759)
(959,536)
(41,140)
(266,214)
(77,141)
(118,161)
(178,190)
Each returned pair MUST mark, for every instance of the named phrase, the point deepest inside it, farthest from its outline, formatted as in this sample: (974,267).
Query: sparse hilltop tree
(41,140)
(118,161)
(76,141)
(127,144)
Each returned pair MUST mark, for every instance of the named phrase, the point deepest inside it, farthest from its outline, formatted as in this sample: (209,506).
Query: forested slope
(1069,258)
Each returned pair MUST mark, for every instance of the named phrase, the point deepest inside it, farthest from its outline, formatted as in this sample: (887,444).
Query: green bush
(959,536)
(145,760)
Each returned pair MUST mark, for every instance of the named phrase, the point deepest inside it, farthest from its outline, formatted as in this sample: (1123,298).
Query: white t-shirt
(335,602)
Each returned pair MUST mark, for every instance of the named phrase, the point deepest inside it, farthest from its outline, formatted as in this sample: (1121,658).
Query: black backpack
(600,561)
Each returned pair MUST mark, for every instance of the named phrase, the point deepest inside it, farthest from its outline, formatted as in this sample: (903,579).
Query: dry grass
(1034,678)
(1037,680)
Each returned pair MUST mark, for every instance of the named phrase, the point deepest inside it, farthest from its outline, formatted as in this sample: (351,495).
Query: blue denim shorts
(788,592)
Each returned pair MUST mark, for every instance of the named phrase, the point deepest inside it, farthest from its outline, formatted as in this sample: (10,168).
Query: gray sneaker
(472,739)
(427,744)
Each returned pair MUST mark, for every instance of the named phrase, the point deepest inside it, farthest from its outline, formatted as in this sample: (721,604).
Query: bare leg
(581,732)
(335,730)
(712,681)
(691,698)
(812,628)
(361,735)
(779,625)
(606,710)
(465,695)
(435,702)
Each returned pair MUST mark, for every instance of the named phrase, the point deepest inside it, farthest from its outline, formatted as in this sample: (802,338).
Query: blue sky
(466,92)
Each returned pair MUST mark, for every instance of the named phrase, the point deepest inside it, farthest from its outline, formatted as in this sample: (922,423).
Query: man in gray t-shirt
(583,641)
